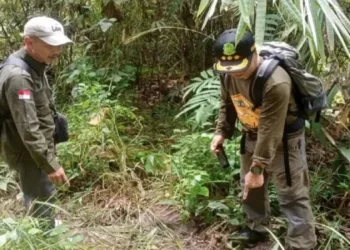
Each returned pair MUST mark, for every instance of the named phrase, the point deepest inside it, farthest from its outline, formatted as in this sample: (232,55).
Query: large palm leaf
(310,18)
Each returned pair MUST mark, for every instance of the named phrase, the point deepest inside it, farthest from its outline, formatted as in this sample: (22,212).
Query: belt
(290,128)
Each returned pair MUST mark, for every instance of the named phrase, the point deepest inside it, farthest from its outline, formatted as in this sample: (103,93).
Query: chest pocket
(40,97)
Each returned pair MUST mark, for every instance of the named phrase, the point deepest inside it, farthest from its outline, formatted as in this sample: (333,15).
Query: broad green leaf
(260,23)
(202,6)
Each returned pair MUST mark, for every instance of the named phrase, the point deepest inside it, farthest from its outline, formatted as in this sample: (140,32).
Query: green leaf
(260,23)
(34,231)
(333,20)
(77,239)
(3,239)
(105,26)
(234,222)
(58,230)
(295,14)
(319,33)
(204,191)
(330,35)
(302,12)
(215,205)
(345,152)
(246,7)
(202,6)
(311,20)
(9,221)
(319,134)
(332,93)
(3,185)
(242,26)
(340,14)
(312,48)
(210,13)
(225,4)
(204,74)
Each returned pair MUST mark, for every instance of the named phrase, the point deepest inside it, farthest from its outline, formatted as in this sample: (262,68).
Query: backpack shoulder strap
(257,87)
(12,60)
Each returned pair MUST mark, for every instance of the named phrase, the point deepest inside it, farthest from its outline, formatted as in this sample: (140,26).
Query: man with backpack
(273,141)
(27,114)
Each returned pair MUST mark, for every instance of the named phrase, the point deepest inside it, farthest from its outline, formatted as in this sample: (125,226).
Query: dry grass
(123,215)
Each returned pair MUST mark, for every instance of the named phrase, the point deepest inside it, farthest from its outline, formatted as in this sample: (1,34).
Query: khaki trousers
(294,201)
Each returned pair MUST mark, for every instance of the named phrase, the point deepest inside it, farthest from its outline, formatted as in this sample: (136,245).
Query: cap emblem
(229,49)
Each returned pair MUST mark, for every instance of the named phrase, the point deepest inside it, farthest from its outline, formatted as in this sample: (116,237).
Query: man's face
(42,51)
(247,72)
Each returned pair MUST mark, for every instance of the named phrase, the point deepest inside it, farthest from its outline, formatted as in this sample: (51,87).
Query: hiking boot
(249,238)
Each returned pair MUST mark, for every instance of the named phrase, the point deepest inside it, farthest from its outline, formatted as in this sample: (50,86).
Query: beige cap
(47,29)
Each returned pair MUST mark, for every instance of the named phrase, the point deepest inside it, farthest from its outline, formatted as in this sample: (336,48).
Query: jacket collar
(38,67)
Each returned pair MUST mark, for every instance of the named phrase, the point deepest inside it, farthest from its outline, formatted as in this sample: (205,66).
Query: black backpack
(308,90)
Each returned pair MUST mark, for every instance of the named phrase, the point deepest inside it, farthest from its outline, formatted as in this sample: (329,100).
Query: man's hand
(252,181)
(59,176)
(216,142)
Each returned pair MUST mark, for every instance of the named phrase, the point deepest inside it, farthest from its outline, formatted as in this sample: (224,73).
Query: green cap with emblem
(232,57)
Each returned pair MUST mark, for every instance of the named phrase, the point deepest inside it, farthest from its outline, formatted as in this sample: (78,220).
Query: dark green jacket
(28,126)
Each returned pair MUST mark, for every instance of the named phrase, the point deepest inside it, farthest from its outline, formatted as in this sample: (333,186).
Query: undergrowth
(129,167)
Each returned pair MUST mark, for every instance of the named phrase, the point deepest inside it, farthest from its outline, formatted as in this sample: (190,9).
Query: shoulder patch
(24,94)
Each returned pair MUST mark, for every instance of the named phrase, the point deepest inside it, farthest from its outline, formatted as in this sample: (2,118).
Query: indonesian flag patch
(24,94)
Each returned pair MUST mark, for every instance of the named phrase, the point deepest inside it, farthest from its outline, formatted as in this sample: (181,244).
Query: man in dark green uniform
(263,157)
(27,143)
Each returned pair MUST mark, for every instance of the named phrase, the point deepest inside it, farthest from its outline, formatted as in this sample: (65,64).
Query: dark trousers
(35,186)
